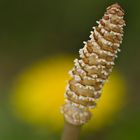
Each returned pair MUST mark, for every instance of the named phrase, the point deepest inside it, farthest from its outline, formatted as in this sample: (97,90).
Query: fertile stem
(71,132)
(91,70)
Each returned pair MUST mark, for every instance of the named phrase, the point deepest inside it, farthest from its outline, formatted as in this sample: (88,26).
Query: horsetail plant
(91,70)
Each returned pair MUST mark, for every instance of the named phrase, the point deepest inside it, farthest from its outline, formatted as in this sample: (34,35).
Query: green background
(31,30)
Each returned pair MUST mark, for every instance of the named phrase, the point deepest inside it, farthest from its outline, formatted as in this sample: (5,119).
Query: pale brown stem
(71,132)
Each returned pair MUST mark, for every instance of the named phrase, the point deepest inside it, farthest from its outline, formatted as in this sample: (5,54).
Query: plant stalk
(71,132)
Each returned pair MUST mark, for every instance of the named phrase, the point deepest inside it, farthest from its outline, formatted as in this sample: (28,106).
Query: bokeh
(39,41)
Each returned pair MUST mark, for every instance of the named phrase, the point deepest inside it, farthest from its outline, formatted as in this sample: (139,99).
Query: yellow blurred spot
(38,94)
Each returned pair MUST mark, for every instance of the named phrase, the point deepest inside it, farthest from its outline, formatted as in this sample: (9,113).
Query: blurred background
(38,42)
